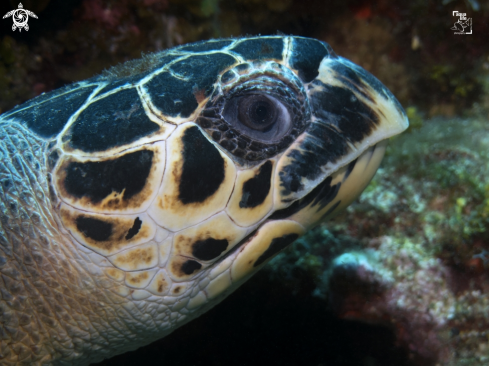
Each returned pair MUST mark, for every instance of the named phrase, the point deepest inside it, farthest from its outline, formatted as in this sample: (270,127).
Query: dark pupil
(260,112)
(257,112)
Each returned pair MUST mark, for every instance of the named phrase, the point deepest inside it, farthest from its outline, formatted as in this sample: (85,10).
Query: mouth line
(320,203)
(336,191)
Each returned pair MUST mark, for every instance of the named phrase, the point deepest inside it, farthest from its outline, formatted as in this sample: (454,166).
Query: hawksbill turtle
(134,201)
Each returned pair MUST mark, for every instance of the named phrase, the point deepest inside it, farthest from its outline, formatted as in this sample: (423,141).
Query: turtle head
(173,179)
(307,132)
(195,172)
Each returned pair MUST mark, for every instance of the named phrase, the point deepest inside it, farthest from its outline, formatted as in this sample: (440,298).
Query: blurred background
(414,287)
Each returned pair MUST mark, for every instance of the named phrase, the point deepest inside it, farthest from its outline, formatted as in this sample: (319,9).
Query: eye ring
(257,112)
(260,116)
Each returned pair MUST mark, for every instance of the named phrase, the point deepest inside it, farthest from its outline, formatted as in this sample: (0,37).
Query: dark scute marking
(340,107)
(276,246)
(323,194)
(93,228)
(174,96)
(326,195)
(115,120)
(322,145)
(331,209)
(349,169)
(47,114)
(190,267)
(260,48)
(237,246)
(209,248)
(96,180)
(256,189)
(306,56)
(351,79)
(203,168)
(368,78)
(378,86)
(135,228)
(206,46)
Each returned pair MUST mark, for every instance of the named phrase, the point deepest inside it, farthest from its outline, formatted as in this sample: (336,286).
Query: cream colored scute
(160,284)
(175,266)
(120,227)
(115,202)
(247,216)
(253,249)
(139,279)
(218,285)
(167,210)
(219,227)
(144,256)
(164,250)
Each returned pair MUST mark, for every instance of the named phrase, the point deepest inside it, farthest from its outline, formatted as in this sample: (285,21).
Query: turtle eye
(259,116)
(257,112)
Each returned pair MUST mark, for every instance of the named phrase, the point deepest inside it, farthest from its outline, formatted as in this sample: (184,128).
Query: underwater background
(402,277)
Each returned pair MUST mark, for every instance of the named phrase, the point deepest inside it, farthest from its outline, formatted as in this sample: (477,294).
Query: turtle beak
(333,161)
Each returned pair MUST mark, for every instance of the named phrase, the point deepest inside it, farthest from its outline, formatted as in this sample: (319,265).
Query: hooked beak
(335,158)
(331,163)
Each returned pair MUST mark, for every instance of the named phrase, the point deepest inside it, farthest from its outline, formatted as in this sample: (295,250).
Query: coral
(413,253)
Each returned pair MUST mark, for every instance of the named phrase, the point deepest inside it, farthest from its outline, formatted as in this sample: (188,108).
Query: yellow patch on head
(139,279)
(160,284)
(242,212)
(107,234)
(268,241)
(142,257)
(200,241)
(168,210)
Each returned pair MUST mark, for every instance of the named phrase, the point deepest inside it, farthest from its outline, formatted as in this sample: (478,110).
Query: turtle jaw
(331,163)
(283,227)
(339,190)
(351,111)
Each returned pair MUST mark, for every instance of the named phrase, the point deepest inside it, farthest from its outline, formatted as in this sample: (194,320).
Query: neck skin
(57,304)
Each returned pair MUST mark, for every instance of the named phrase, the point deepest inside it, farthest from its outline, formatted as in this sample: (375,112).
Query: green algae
(415,118)
(421,228)
(451,158)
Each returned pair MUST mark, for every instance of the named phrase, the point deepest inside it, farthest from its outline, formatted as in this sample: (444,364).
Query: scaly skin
(120,223)
(60,303)
(56,302)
